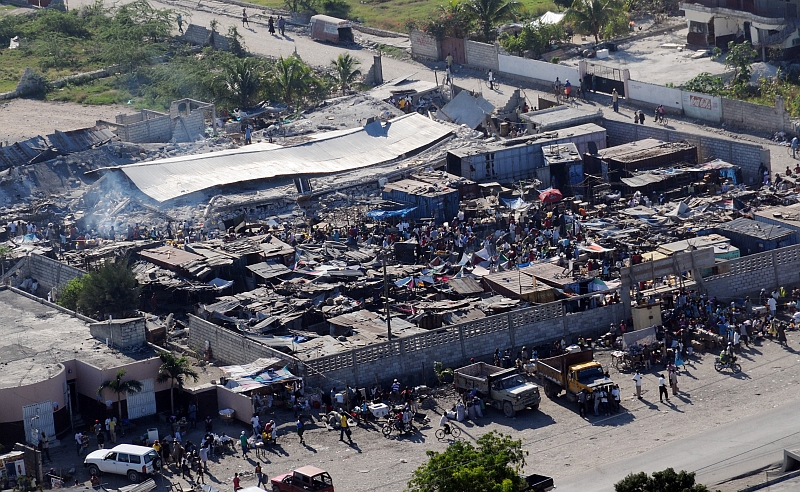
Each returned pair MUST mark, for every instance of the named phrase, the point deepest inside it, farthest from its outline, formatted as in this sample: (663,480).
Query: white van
(125,459)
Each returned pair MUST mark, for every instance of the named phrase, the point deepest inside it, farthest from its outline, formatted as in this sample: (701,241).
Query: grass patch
(14,62)
(96,92)
(393,51)
(392,14)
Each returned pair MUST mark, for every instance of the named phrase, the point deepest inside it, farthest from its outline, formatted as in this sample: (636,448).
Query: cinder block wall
(750,274)
(122,334)
(150,130)
(189,128)
(228,346)
(481,55)
(746,155)
(424,46)
(741,114)
(50,273)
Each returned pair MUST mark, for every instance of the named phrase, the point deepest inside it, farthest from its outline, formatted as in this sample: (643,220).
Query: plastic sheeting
(386,214)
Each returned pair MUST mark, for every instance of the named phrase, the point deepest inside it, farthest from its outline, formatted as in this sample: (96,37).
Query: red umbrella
(550,196)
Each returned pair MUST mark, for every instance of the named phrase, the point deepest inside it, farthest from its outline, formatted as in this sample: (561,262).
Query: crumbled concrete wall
(50,274)
(150,130)
(202,36)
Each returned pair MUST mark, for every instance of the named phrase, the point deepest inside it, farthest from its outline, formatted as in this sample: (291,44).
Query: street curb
(772,482)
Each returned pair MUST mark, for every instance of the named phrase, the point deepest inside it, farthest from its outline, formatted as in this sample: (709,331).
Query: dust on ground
(27,118)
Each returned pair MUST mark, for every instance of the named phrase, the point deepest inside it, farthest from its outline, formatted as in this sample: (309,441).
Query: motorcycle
(395,423)
(728,363)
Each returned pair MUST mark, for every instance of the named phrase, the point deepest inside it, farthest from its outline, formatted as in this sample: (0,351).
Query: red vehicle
(302,480)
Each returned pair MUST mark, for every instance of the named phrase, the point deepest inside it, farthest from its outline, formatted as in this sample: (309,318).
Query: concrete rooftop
(35,337)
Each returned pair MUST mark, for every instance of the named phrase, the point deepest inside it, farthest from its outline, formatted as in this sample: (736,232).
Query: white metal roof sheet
(375,143)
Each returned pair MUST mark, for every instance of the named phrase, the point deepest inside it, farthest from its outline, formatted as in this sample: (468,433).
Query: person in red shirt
(236,485)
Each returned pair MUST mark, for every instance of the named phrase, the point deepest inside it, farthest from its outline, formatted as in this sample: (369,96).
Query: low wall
(150,130)
(122,334)
(654,95)
(50,274)
(378,32)
(746,155)
(536,69)
(424,46)
(740,114)
(748,274)
(412,358)
(481,55)
(228,346)
(702,106)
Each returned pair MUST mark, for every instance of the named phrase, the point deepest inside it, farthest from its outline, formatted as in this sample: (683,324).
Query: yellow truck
(572,373)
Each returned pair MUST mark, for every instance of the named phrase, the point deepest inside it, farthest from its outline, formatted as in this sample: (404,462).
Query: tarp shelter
(387,214)
(644,336)
(549,18)
(466,109)
(252,369)
(265,378)
(327,28)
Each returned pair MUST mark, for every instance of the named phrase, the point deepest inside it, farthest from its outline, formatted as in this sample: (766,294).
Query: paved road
(716,455)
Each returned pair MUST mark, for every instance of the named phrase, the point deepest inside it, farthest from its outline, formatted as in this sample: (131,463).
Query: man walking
(300,429)
(179,19)
(615,100)
(662,388)
(244,18)
(282,25)
(260,475)
(637,378)
(344,429)
(582,403)
(243,441)
(491,80)
(44,441)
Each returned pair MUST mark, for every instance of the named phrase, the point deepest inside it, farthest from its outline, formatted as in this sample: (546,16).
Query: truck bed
(538,483)
(555,368)
(477,376)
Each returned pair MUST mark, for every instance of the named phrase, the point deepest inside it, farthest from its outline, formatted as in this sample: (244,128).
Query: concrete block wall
(122,333)
(749,274)
(189,128)
(412,358)
(228,346)
(746,155)
(481,55)
(149,130)
(741,114)
(424,46)
(50,273)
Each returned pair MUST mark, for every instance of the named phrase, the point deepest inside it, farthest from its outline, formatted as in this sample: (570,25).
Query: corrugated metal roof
(751,228)
(269,269)
(22,152)
(377,142)
(78,140)
(467,109)
(643,180)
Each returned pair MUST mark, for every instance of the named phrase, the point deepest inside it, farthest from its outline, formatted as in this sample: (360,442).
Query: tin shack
(755,237)
(622,161)
(327,28)
(437,200)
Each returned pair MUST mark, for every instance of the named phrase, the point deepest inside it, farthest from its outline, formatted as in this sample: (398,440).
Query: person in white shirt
(444,422)
(637,378)
(662,388)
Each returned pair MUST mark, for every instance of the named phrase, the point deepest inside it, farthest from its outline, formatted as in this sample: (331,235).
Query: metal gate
(455,47)
(37,418)
(604,79)
(142,403)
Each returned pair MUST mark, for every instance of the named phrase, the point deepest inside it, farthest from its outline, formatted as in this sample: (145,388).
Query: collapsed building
(251,251)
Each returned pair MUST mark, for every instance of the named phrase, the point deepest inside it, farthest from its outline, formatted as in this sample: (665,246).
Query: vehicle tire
(508,409)
(93,470)
(387,430)
(455,432)
(275,488)
(718,366)
(548,390)
(439,434)
(133,476)
(535,407)
(736,368)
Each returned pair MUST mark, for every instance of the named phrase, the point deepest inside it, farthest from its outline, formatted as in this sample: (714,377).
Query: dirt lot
(27,118)
(559,441)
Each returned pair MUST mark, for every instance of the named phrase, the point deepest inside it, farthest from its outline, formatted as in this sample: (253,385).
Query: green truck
(504,389)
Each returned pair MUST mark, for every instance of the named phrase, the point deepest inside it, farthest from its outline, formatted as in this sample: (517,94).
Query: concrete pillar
(377,66)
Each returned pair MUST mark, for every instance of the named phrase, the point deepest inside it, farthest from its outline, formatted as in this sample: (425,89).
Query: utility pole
(386,298)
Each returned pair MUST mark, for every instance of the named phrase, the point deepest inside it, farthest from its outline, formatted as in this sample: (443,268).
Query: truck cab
(588,376)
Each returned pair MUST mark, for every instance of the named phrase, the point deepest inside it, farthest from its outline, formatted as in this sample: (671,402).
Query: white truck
(505,389)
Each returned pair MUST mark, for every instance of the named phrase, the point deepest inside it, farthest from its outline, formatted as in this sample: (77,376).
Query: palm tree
(487,13)
(175,370)
(292,79)
(118,386)
(591,16)
(346,71)
(244,81)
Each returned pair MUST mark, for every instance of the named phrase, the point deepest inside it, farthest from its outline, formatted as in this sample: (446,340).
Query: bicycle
(454,431)
(794,154)
(662,120)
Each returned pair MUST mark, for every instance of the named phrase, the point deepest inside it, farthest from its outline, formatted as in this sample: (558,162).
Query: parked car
(130,460)
(302,480)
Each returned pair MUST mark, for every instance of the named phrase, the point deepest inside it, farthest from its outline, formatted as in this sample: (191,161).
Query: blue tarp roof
(385,214)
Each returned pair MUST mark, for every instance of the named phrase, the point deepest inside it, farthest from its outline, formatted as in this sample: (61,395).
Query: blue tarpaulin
(385,214)
(515,204)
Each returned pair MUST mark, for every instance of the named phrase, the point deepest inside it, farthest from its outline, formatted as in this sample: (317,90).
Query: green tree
(590,16)
(706,83)
(293,79)
(118,386)
(345,71)
(740,58)
(663,481)
(536,38)
(488,13)
(112,289)
(493,466)
(244,79)
(69,294)
(5,252)
(136,35)
(175,370)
